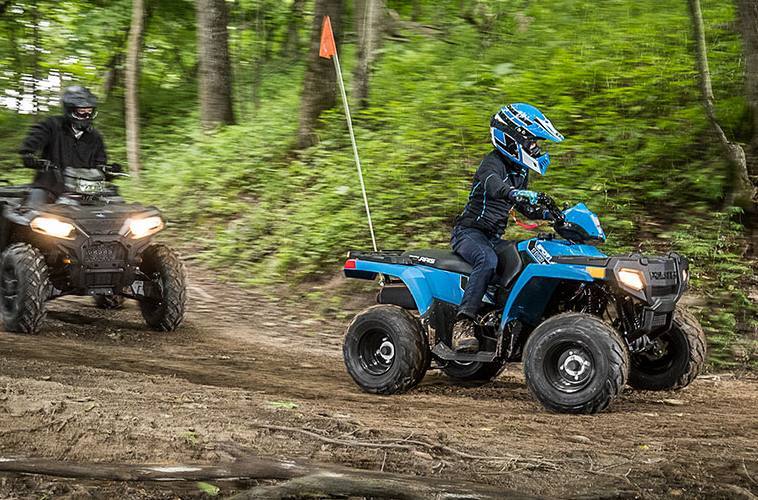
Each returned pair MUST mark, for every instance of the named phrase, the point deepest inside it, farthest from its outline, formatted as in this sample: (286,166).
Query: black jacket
(55,140)
(490,200)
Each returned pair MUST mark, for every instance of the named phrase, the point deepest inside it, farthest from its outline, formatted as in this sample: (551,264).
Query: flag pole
(332,50)
(355,148)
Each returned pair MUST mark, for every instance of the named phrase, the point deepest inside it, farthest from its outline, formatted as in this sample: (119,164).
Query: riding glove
(524,195)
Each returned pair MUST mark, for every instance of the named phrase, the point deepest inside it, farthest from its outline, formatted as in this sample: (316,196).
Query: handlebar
(32,161)
(40,164)
(112,168)
(548,206)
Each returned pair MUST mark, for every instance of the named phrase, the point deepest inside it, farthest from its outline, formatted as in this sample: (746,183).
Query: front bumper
(93,264)
(665,280)
(648,309)
(101,265)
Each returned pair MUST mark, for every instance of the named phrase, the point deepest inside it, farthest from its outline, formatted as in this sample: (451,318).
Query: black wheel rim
(659,358)
(569,367)
(9,283)
(376,352)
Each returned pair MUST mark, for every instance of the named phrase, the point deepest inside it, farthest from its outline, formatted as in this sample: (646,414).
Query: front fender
(533,289)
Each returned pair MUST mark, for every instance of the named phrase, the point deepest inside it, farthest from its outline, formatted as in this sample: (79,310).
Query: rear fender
(534,288)
(424,283)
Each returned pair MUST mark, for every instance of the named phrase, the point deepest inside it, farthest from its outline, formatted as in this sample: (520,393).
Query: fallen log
(330,484)
(302,478)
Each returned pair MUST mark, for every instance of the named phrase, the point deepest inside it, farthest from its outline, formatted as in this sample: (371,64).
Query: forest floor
(98,386)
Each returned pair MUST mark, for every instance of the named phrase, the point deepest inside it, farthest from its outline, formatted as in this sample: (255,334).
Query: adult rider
(63,141)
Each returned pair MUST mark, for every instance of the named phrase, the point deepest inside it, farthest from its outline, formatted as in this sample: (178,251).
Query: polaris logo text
(663,275)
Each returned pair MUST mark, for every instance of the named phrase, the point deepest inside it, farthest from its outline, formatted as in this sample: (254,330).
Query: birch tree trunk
(742,190)
(132,76)
(369,24)
(320,83)
(215,72)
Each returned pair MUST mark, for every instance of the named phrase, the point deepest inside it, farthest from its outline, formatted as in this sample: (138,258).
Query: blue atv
(583,323)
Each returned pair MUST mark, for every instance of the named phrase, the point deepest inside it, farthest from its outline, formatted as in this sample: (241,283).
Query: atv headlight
(631,278)
(53,227)
(139,228)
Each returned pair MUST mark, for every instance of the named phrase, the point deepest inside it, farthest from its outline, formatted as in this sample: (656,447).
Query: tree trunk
(291,47)
(112,74)
(320,83)
(18,64)
(133,49)
(215,78)
(742,191)
(416,12)
(264,30)
(748,22)
(260,62)
(369,24)
(37,49)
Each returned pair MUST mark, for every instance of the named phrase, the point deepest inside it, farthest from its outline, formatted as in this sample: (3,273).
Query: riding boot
(464,335)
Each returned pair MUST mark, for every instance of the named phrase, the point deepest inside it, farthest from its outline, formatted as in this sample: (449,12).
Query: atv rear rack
(384,256)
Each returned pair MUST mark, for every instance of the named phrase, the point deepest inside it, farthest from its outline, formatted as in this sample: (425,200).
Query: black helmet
(74,100)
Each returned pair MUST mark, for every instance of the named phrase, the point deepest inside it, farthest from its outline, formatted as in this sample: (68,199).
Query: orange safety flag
(328,47)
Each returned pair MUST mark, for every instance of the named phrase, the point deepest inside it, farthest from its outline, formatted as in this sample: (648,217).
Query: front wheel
(575,363)
(24,288)
(164,310)
(674,359)
(385,350)
(473,371)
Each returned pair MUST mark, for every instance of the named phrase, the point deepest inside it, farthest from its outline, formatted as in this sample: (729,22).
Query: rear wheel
(24,288)
(385,350)
(575,363)
(675,358)
(109,301)
(473,371)
(164,311)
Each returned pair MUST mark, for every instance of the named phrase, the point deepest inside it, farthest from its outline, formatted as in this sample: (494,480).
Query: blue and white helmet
(516,130)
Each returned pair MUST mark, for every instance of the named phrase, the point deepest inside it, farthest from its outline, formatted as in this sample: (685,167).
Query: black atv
(88,242)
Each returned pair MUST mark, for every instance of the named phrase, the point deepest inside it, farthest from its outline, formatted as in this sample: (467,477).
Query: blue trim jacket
(491,197)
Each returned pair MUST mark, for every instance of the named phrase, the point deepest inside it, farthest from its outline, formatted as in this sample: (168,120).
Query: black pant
(39,196)
(478,249)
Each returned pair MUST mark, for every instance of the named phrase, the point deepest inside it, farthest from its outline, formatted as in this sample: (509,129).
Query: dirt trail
(98,386)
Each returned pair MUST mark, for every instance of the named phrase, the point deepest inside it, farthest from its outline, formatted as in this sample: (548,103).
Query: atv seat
(509,263)
(439,259)
(508,267)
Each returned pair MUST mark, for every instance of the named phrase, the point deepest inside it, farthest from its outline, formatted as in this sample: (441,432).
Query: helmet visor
(84,113)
